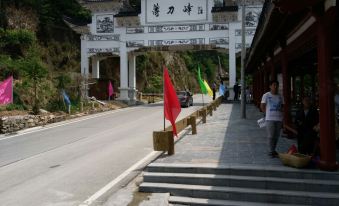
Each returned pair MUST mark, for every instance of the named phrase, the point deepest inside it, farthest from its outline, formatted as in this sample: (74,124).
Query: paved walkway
(227,139)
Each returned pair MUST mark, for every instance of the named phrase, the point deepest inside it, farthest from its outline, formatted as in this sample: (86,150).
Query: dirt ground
(13,113)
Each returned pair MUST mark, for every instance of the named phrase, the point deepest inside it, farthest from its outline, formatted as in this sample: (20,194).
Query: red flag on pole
(6,91)
(110,89)
(172,106)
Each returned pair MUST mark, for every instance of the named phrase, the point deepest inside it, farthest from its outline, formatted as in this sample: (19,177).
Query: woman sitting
(306,120)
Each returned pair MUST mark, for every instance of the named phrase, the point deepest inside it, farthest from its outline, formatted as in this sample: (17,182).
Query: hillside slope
(43,55)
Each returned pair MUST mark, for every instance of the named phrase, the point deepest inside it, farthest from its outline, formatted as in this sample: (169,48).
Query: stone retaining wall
(10,124)
(16,123)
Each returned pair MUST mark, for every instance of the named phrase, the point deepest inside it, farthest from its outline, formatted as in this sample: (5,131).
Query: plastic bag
(261,122)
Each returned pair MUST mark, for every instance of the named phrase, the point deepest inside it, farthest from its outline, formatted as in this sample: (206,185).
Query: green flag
(201,82)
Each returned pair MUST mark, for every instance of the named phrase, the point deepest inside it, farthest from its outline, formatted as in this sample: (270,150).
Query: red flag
(6,91)
(172,106)
(110,89)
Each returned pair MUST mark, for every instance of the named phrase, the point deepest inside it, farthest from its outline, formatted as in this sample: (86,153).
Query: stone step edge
(216,202)
(240,177)
(238,190)
(238,167)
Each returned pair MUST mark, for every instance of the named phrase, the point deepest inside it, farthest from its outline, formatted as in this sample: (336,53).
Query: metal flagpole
(12,89)
(163,92)
(202,95)
(243,53)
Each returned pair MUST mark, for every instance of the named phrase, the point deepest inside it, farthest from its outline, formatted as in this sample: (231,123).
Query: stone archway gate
(116,29)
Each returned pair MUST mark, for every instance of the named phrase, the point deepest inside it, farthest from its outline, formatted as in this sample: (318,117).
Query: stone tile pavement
(227,139)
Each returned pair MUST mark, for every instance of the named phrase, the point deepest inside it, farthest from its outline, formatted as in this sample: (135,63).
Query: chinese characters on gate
(188,8)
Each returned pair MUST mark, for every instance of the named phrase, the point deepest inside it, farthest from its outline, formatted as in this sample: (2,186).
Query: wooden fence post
(170,148)
(210,110)
(193,123)
(204,114)
(163,141)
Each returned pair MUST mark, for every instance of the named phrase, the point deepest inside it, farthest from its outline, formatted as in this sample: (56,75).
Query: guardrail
(150,97)
(164,140)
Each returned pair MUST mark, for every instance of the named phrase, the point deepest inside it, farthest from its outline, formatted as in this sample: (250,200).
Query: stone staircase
(238,185)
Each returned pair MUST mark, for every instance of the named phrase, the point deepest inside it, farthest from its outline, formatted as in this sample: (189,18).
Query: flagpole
(163,95)
(202,95)
(12,89)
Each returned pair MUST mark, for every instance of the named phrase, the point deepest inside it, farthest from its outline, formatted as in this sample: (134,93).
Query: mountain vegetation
(43,55)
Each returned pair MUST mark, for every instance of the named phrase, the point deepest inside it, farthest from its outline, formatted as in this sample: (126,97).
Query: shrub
(11,107)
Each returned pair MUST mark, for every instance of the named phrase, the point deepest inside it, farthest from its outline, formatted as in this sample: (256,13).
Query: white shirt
(273,106)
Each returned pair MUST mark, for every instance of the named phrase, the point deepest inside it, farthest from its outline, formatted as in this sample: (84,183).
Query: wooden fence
(164,140)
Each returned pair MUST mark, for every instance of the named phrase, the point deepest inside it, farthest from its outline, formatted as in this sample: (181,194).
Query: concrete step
(243,170)
(273,183)
(176,200)
(243,194)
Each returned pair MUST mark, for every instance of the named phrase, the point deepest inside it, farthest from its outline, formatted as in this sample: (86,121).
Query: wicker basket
(295,160)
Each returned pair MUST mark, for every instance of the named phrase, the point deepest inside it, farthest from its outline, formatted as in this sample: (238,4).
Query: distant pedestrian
(272,105)
(248,95)
(236,91)
(214,89)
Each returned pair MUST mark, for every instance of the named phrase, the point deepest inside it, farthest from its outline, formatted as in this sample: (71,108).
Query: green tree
(62,81)
(34,70)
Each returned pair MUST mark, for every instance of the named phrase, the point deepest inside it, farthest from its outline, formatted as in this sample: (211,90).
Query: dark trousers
(236,95)
(306,142)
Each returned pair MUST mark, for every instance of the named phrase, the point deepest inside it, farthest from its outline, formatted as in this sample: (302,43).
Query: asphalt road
(67,162)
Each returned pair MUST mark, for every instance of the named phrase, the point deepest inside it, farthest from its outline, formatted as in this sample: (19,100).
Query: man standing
(236,91)
(214,89)
(272,105)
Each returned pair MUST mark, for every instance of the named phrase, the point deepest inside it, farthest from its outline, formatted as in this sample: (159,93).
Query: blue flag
(66,98)
(221,90)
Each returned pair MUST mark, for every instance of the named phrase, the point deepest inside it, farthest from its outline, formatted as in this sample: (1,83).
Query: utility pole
(243,54)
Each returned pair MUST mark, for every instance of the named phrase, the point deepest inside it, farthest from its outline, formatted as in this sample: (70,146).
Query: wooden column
(286,85)
(257,88)
(267,78)
(294,91)
(325,25)
(273,74)
(254,88)
(262,84)
(302,89)
(313,84)
(263,88)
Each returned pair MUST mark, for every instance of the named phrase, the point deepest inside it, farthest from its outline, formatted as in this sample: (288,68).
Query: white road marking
(103,190)
(149,157)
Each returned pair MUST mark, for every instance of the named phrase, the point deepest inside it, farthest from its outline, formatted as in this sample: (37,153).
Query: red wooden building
(294,40)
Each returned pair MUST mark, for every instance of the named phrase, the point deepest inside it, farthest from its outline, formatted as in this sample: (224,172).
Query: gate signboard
(171,11)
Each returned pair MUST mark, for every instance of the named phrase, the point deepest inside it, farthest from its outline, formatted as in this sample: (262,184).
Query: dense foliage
(182,68)
(43,55)
(38,49)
